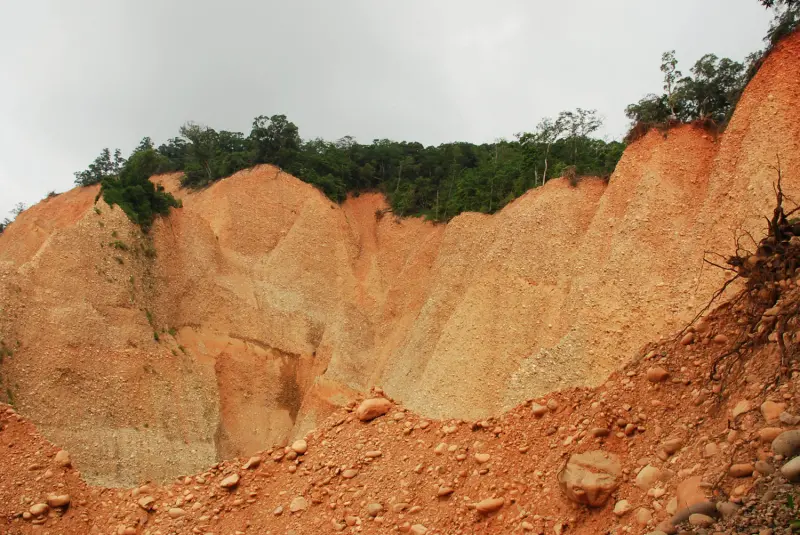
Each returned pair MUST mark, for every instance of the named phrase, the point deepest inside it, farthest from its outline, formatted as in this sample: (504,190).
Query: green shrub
(122,246)
(132,190)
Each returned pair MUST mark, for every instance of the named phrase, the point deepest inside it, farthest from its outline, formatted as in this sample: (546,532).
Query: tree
(710,93)
(276,140)
(652,109)
(669,66)
(786,19)
(779,3)
(547,132)
(713,90)
(437,182)
(18,209)
(200,152)
(104,166)
(580,124)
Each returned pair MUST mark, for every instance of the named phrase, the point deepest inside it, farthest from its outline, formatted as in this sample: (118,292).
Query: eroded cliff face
(273,305)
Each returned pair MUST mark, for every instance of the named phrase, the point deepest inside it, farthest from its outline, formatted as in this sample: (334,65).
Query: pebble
(552,404)
(657,375)
(146,503)
(418,529)
(349,473)
(300,446)
(176,512)
(771,411)
(727,509)
(622,507)
(39,509)
(62,459)
(374,509)
(700,521)
(230,482)
(741,470)
(298,504)
(58,500)
(648,477)
(445,491)
(789,418)
(538,410)
(369,409)
(764,468)
(741,408)
(768,434)
(489,505)
(687,339)
(482,458)
(252,463)
(643,516)
(672,445)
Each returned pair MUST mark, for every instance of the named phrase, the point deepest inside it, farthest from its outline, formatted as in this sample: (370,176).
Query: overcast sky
(81,75)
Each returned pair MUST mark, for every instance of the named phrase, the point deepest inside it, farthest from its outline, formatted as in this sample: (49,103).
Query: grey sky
(81,75)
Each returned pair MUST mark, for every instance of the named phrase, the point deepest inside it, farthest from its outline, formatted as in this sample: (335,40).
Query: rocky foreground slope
(691,436)
(257,309)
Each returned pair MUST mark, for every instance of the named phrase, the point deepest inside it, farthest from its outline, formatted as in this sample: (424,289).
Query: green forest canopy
(435,182)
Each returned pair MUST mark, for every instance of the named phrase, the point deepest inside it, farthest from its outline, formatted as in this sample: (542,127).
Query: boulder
(787,443)
(590,478)
(791,470)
